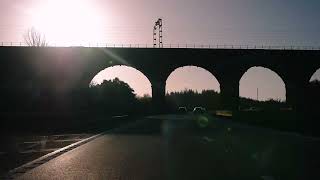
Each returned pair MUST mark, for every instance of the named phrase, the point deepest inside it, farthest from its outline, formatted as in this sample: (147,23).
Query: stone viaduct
(65,69)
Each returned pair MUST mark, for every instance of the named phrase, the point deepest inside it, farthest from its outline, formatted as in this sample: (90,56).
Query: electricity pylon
(158,25)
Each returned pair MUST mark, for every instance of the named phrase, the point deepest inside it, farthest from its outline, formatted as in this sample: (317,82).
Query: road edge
(12,174)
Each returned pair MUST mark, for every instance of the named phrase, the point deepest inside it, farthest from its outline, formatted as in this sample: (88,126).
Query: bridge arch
(187,77)
(312,97)
(198,84)
(315,76)
(262,85)
(136,79)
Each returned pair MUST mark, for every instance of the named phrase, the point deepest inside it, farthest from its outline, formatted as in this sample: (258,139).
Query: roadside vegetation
(93,107)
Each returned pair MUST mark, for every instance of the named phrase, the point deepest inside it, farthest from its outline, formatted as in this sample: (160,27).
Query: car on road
(253,109)
(199,110)
(182,110)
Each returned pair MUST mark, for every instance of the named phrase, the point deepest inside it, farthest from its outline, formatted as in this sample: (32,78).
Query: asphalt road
(171,147)
(23,148)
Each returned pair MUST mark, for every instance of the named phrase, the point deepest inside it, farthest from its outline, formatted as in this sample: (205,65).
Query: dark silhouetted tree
(34,38)
(113,96)
(190,99)
(210,99)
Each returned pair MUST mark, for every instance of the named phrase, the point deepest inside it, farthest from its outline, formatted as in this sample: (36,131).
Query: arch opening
(260,86)
(315,76)
(133,77)
(120,90)
(192,86)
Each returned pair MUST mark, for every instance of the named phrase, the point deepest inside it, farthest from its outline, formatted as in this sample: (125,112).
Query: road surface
(171,147)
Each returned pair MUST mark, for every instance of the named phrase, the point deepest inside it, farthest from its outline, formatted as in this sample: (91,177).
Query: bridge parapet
(176,45)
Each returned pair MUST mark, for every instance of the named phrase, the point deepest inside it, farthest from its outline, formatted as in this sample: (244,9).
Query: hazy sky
(191,77)
(253,22)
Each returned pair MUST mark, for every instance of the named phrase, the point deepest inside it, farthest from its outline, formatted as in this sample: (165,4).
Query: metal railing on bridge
(190,46)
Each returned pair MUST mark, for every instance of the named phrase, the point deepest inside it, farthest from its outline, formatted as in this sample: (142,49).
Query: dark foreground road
(171,147)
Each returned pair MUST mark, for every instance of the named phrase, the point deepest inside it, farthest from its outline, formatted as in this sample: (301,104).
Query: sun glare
(69,22)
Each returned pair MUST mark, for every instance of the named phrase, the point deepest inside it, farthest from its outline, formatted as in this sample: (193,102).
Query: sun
(69,22)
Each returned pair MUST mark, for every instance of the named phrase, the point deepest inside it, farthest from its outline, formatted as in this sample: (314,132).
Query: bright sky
(252,22)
